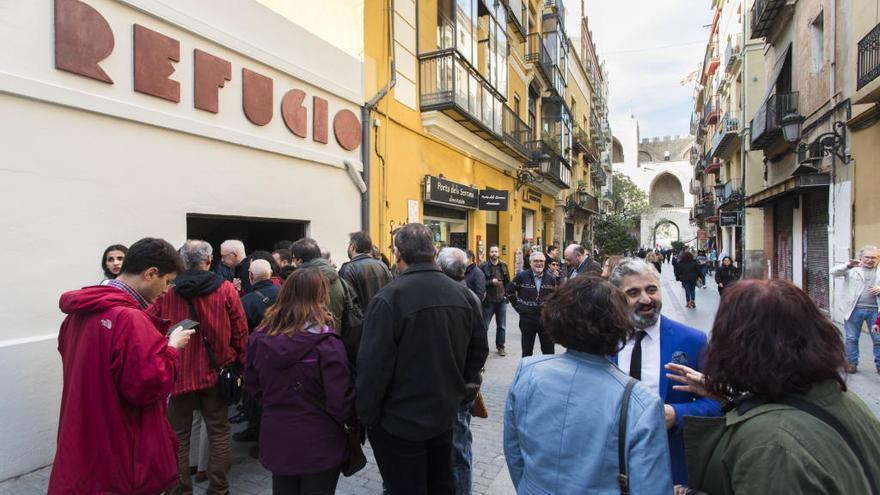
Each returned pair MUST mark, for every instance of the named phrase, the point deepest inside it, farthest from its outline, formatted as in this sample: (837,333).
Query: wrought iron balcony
(538,55)
(869,58)
(517,12)
(599,176)
(711,110)
(726,136)
(764,15)
(580,140)
(731,191)
(447,83)
(732,51)
(766,126)
(586,201)
(546,157)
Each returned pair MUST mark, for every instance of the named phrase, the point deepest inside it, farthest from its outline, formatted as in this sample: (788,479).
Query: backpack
(352,324)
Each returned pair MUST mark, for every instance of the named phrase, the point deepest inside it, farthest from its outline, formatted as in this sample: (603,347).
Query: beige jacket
(855,283)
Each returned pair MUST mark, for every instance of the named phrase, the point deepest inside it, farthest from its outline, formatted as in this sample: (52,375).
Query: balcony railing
(517,134)
(726,135)
(764,14)
(537,54)
(600,177)
(733,191)
(869,58)
(588,202)
(581,140)
(732,51)
(517,12)
(711,111)
(559,173)
(766,126)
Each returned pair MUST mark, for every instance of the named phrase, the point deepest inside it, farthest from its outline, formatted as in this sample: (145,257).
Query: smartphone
(186,324)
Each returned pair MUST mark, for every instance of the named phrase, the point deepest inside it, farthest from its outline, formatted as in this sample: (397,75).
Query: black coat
(494,294)
(424,339)
(366,275)
(687,271)
(476,281)
(254,306)
(726,275)
(524,295)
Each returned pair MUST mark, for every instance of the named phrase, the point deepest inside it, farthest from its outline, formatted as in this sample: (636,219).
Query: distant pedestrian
(453,263)
(423,341)
(713,261)
(687,271)
(563,412)
(298,370)
(579,262)
(495,304)
(527,293)
(726,274)
(118,369)
(655,258)
(859,302)
(703,264)
(776,362)
(475,278)
(552,253)
(207,298)
(111,261)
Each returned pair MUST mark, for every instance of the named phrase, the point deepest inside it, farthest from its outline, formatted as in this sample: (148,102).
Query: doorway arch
(664,232)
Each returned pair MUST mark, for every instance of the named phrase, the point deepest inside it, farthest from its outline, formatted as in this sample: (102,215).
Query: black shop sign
(447,193)
(493,200)
(730,218)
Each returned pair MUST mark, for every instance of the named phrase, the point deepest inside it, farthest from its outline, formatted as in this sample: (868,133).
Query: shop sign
(493,200)
(730,218)
(447,193)
(531,196)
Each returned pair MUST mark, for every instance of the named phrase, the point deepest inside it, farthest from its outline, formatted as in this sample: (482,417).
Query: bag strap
(263,297)
(210,351)
(298,388)
(622,478)
(822,414)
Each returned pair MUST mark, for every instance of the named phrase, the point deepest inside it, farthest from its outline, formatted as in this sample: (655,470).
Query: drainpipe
(367,125)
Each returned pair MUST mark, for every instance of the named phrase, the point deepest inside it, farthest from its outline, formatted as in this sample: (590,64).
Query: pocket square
(680,357)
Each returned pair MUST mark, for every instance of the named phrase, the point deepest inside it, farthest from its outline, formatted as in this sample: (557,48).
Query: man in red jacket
(209,299)
(118,371)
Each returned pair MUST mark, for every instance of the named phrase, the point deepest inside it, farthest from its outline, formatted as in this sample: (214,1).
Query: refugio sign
(493,200)
(447,193)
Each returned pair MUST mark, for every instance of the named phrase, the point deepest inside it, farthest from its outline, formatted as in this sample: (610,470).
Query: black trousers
(413,467)
(323,483)
(530,326)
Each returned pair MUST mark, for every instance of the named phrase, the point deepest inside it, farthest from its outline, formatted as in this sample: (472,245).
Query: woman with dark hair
(610,264)
(687,271)
(777,362)
(296,362)
(726,274)
(276,269)
(111,260)
(563,410)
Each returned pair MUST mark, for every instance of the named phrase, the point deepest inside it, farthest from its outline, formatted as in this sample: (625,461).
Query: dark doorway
(256,233)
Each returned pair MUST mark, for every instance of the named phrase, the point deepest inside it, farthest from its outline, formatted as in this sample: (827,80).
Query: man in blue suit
(658,341)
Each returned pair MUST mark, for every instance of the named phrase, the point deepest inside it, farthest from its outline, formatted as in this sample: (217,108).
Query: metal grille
(782,240)
(816,247)
(869,58)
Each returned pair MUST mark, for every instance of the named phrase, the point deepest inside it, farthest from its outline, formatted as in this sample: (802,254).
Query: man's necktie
(635,362)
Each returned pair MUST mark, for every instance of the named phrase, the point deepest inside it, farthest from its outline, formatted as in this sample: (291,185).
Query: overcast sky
(648,47)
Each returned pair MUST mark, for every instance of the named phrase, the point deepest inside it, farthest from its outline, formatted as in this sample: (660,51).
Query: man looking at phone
(207,298)
(118,369)
(859,303)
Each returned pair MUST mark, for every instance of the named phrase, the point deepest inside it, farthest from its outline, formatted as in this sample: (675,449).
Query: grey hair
(260,269)
(536,254)
(866,249)
(574,247)
(632,266)
(453,262)
(233,245)
(325,253)
(196,252)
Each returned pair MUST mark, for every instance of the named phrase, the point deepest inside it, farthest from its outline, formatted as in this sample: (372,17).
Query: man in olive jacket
(423,340)
(307,254)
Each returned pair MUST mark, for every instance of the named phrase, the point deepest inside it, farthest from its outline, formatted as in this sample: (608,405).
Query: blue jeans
(461,450)
(499,310)
(853,328)
(690,290)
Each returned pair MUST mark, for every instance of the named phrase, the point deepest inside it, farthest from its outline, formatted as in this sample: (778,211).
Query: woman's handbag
(356,459)
(478,409)
(229,380)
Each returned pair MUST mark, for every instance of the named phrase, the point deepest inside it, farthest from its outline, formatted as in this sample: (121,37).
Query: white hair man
(659,340)
(234,265)
(859,303)
(579,261)
(527,292)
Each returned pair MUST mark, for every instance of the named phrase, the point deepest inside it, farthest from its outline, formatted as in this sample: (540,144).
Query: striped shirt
(221,320)
(131,292)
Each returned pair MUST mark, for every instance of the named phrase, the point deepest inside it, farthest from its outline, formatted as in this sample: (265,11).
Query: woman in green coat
(791,426)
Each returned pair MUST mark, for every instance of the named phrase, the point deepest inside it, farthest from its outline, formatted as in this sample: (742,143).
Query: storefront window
(448,225)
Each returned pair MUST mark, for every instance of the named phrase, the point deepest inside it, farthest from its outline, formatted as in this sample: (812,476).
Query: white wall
(86,164)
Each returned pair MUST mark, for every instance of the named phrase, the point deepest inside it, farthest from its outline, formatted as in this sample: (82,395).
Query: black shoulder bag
(229,381)
(352,324)
(622,478)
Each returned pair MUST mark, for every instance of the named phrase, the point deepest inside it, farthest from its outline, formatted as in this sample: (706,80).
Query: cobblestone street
(490,473)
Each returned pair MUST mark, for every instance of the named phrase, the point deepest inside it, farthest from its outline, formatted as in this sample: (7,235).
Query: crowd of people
(154,356)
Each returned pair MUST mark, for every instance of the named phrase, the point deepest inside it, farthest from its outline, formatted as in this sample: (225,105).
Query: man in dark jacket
(424,339)
(234,265)
(206,297)
(364,273)
(307,254)
(474,277)
(264,293)
(580,262)
(495,303)
(527,293)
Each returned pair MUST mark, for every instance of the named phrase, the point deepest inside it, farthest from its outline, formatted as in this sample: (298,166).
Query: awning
(792,185)
(776,72)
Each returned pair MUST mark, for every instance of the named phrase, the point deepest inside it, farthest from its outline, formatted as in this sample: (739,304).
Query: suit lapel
(666,346)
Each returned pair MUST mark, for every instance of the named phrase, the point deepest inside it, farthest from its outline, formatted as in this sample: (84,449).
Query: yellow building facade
(474,137)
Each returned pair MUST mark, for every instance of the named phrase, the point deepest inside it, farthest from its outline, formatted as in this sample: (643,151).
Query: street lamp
(792,124)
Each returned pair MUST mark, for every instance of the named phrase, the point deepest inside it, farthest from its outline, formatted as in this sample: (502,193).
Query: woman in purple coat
(295,360)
